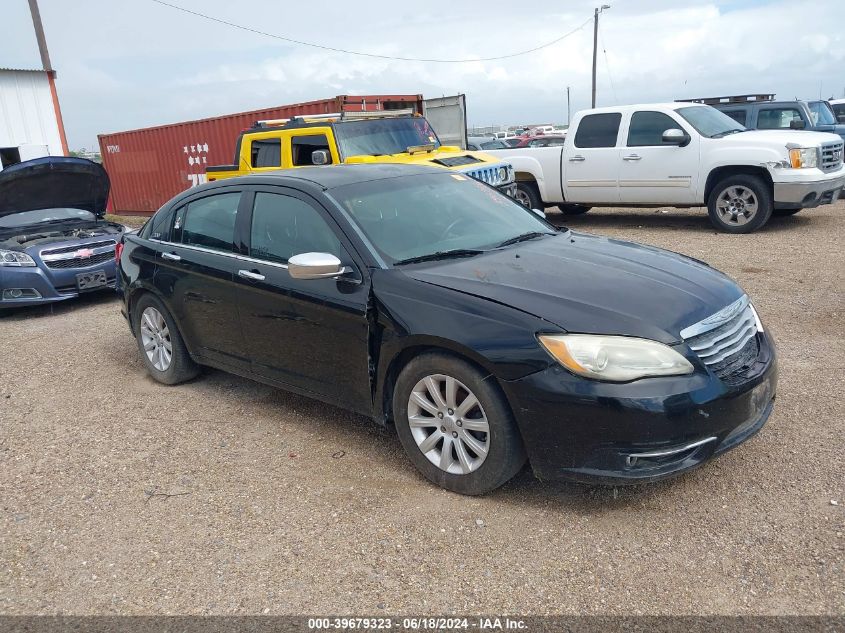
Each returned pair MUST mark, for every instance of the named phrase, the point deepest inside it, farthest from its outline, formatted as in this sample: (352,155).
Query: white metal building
(30,118)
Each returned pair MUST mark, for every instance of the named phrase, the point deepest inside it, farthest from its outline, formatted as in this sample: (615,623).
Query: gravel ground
(222,496)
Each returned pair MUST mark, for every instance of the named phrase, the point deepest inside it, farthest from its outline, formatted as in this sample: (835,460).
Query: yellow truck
(393,136)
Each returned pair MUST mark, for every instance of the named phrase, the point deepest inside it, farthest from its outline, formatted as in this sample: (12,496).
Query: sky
(125,64)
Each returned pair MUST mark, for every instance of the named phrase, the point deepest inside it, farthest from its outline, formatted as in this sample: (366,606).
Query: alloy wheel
(737,205)
(155,337)
(522,198)
(448,424)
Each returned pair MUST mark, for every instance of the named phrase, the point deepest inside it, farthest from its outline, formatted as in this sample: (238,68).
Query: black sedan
(54,243)
(429,301)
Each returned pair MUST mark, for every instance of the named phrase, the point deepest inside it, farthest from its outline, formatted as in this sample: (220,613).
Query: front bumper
(50,286)
(642,431)
(808,193)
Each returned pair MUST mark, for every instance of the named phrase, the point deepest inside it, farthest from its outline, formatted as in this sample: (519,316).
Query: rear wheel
(528,195)
(785,212)
(162,348)
(455,426)
(740,204)
(573,209)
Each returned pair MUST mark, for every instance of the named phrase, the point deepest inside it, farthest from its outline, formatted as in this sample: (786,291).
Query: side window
(647,128)
(740,116)
(537,143)
(598,130)
(776,118)
(303,146)
(158,227)
(283,226)
(267,152)
(208,222)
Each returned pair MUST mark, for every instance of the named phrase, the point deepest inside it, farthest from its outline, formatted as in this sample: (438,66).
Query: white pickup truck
(681,155)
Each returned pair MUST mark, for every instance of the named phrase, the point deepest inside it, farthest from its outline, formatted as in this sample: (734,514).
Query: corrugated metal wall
(148,167)
(27,117)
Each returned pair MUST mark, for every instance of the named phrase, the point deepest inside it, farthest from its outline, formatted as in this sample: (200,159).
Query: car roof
(330,176)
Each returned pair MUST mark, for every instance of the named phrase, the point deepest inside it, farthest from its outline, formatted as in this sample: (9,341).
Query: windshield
(821,113)
(377,137)
(27,218)
(709,121)
(413,216)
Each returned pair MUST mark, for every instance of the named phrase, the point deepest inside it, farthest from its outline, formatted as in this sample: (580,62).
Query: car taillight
(118,250)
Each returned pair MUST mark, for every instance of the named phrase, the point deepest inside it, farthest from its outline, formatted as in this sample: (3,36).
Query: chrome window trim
(211,251)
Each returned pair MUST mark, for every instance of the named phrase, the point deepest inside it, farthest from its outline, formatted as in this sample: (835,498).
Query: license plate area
(91,281)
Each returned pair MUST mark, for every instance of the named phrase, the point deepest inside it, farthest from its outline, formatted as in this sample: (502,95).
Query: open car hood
(54,182)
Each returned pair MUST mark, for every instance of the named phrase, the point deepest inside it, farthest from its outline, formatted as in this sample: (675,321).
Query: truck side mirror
(320,157)
(797,124)
(675,136)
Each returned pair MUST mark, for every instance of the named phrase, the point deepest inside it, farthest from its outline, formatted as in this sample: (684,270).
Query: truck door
(652,172)
(448,117)
(590,162)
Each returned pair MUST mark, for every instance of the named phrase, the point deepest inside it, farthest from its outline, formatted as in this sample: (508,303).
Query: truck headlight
(15,258)
(614,358)
(503,174)
(802,157)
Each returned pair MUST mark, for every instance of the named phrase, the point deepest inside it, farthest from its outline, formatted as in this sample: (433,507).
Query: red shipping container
(149,166)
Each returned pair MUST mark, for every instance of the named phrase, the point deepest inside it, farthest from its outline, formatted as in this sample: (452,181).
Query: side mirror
(675,136)
(540,212)
(320,157)
(315,266)
(797,124)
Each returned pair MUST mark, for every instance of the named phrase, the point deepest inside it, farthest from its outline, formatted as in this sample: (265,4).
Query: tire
(473,471)
(740,204)
(573,209)
(785,212)
(154,325)
(528,195)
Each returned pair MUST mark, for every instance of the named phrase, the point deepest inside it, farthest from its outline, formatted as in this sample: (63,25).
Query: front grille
(80,262)
(831,156)
(726,341)
(72,249)
(490,175)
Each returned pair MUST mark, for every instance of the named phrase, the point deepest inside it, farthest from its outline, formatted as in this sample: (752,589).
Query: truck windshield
(709,121)
(822,114)
(377,137)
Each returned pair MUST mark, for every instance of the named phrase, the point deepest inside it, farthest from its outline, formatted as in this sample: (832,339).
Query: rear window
(740,116)
(267,152)
(598,130)
(208,222)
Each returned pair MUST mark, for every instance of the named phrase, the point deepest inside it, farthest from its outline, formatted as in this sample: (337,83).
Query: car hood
(588,284)
(799,138)
(54,182)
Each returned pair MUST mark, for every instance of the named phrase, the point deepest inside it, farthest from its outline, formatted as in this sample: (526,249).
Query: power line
(375,55)
(607,66)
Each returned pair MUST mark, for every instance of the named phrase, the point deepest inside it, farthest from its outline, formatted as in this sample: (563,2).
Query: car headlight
(614,358)
(15,258)
(801,157)
(503,174)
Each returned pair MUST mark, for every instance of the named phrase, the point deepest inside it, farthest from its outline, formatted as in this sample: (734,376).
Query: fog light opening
(11,294)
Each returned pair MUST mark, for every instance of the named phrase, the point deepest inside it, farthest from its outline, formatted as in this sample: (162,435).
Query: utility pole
(596,45)
(48,68)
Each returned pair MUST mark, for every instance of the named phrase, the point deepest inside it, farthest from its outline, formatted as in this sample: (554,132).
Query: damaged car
(54,243)
(434,303)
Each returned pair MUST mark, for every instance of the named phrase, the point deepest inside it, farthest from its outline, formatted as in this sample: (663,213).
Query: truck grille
(726,342)
(831,156)
(490,175)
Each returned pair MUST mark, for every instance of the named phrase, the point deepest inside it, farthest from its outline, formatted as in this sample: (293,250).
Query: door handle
(248,274)
(577,159)
(171,256)
(632,157)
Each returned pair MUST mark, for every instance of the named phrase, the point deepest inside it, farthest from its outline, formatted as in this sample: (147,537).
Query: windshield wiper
(521,238)
(457,252)
(726,132)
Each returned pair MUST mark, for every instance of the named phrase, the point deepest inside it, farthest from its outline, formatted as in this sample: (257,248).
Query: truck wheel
(785,212)
(740,204)
(573,209)
(528,195)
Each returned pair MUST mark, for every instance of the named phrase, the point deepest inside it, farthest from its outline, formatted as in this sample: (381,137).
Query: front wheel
(740,204)
(528,195)
(455,425)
